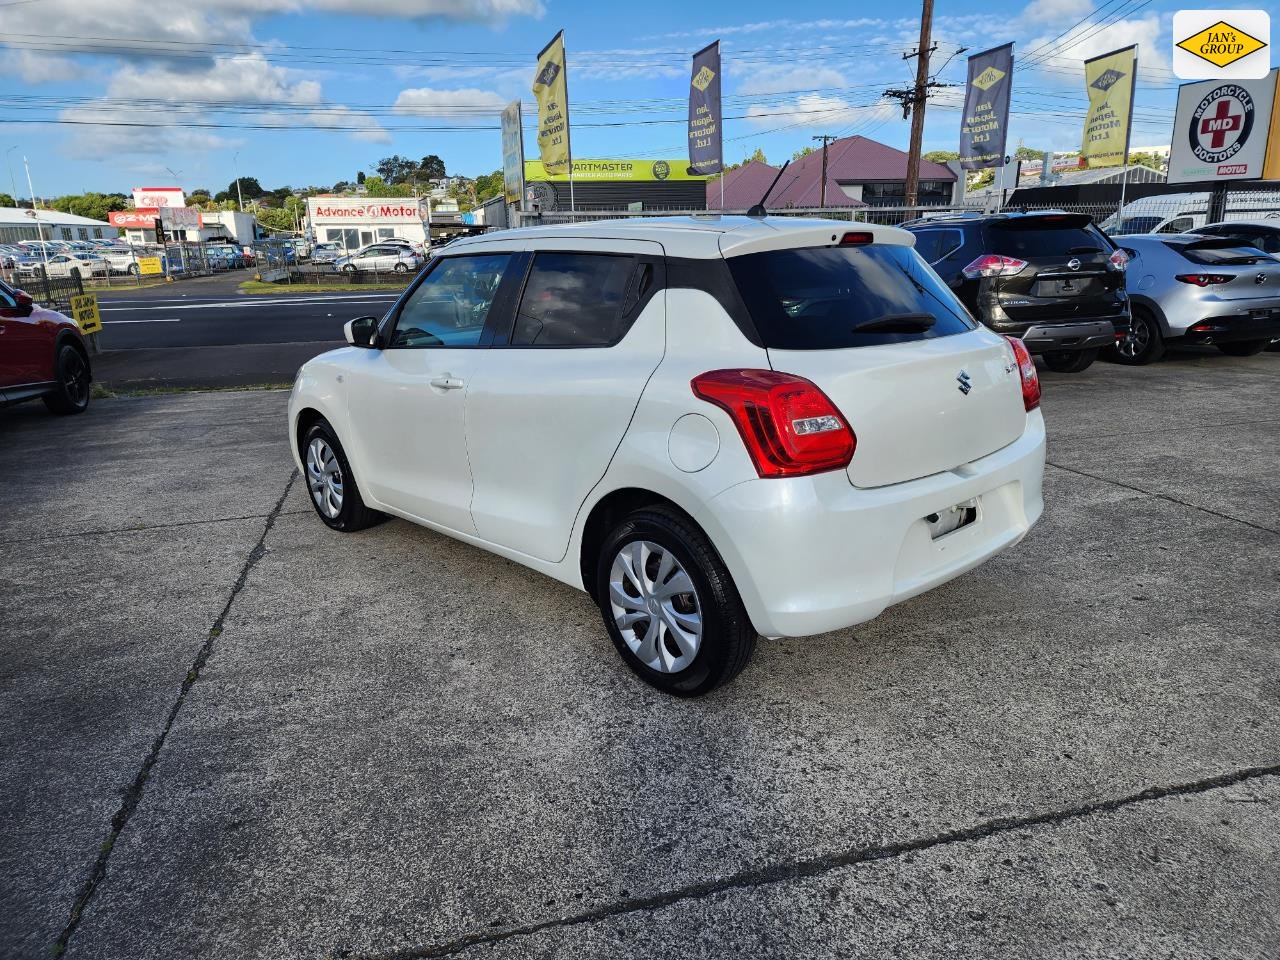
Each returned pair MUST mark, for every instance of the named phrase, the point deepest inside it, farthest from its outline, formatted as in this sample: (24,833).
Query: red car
(41,355)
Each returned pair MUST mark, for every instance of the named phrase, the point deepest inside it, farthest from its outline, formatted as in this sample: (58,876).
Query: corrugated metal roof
(21,217)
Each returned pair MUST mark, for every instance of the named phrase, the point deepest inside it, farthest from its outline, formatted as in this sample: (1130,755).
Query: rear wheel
(1143,344)
(670,605)
(332,487)
(1070,361)
(71,395)
(401,268)
(1244,348)
(348,269)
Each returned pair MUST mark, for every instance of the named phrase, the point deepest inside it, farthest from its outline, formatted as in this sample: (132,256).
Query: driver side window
(449,307)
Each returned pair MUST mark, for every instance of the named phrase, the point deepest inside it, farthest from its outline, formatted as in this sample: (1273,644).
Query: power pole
(913,102)
(825,138)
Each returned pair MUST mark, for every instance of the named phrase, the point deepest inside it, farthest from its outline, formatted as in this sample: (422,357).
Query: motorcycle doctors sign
(1220,129)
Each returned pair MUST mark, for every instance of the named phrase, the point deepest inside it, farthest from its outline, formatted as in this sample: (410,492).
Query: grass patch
(255,286)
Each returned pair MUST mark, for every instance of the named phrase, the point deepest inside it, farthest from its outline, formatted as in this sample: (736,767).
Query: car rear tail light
(1118,260)
(1026,373)
(789,426)
(994,265)
(1204,279)
(856,239)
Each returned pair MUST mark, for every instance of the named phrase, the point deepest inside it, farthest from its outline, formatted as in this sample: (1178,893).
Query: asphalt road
(227,731)
(203,320)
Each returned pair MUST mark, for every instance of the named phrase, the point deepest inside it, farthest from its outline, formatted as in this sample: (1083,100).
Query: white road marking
(155,320)
(223,304)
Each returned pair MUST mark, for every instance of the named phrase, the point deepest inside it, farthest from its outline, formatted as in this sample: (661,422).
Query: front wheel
(348,269)
(71,394)
(1244,348)
(334,493)
(401,268)
(1070,361)
(670,605)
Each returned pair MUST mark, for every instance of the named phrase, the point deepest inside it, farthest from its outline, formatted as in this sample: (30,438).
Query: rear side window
(933,245)
(1221,252)
(827,298)
(1033,242)
(574,300)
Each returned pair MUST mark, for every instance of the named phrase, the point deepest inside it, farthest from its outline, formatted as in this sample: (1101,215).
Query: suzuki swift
(717,427)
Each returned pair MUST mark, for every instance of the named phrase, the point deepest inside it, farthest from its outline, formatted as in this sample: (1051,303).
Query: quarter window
(449,307)
(574,300)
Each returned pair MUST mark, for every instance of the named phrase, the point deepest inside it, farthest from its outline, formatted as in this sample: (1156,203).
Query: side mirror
(360,331)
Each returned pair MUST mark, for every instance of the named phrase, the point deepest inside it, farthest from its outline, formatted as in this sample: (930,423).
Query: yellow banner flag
(551,88)
(1109,81)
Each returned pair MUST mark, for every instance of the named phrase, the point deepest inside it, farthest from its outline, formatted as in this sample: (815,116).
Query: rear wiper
(897,323)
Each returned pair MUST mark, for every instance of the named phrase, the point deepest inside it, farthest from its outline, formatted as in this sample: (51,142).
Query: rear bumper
(813,554)
(1259,323)
(1087,335)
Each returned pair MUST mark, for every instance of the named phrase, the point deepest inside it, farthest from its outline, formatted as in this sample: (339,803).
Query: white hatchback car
(717,427)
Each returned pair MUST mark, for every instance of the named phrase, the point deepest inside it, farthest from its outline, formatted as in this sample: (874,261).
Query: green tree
(276,218)
(1152,160)
(95,206)
(431,168)
(802,152)
(941,156)
(1028,153)
(360,177)
(340,187)
(377,187)
(396,169)
(489,185)
(7,201)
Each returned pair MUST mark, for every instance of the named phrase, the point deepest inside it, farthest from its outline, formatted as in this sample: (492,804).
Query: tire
(348,269)
(338,504)
(400,268)
(1244,348)
(1070,361)
(133,269)
(667,544)
(1144,344)
(71,395)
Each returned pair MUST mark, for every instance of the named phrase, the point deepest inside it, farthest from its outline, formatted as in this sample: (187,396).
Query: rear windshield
(817,298)
(1038,239)
(1221,253)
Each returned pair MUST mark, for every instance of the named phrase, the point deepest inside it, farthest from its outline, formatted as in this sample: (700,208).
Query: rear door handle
(448,383)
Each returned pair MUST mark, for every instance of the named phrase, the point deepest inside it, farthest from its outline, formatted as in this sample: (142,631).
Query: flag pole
(568,137)
(1128,133)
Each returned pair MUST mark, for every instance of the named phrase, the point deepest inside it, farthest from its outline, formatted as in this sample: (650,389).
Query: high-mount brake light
(1204,279)
(994,265)
(857,238)
(1026,374)
(789,426)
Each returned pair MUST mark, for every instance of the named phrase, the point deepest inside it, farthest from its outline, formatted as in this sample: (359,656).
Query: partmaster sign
(1221,129)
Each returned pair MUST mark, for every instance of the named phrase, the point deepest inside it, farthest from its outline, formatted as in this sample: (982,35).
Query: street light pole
(13,184)
(235,163)
(35,214)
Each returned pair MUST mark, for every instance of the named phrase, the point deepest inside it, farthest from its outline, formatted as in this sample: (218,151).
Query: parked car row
(1071,292)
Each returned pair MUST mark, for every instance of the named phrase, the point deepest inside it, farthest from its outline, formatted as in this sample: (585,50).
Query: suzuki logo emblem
(963,380)
(1073,264)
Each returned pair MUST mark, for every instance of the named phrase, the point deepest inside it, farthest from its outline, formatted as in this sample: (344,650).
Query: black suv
(1053,279)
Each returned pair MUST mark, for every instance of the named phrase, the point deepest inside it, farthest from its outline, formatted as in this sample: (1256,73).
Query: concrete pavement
(231,732)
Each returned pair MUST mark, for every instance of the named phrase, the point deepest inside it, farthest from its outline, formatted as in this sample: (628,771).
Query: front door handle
(448,383)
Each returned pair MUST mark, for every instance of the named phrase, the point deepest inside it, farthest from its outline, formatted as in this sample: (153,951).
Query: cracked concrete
(401,746)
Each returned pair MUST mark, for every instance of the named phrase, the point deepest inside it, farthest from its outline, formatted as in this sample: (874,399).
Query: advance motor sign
(332,210)
(1221,129)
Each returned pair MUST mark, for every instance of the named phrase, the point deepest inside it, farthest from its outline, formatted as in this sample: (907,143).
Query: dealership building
(20,223)
(615,185)
(355,222)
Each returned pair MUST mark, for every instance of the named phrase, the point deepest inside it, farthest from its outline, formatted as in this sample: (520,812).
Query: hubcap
(75,380)
(324,477)
(655,606)
(1138,338)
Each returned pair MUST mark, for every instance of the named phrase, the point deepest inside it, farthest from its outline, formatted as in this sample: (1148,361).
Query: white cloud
(1086,42)
(246,78)
(461,105)
(812,110)
(787,79)
(1056,11)
(34,67)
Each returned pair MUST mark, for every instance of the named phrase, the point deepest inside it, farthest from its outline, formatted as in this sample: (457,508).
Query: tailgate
(908,406)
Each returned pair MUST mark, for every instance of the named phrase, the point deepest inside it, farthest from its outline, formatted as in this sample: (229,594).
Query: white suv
(717,427)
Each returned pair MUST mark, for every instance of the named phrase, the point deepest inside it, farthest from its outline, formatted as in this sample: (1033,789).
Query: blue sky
(351,81)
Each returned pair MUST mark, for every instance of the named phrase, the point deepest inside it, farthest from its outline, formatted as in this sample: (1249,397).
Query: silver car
(1263,234)
(1198,289)
(381,258)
